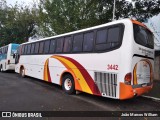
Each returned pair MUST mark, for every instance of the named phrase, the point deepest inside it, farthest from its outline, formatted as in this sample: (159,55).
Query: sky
(12,2)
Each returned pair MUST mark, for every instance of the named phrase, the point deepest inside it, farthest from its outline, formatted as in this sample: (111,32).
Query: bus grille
(107,83)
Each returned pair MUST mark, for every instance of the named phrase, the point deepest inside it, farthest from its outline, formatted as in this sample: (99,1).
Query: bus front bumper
(128,91)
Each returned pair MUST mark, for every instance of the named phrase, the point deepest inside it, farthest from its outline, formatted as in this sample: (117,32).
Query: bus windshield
(143,36)
(14,48)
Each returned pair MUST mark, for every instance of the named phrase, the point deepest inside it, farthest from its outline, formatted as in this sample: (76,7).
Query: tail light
(8,61)
(127,79)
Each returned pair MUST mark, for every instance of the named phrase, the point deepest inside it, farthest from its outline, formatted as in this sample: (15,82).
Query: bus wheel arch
(68,83)
(22,71)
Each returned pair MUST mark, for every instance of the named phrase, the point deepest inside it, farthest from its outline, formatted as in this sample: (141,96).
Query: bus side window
(29,49)
(52,46)
(101,40)
(67,44)
(113,36)
(36,48)
(59,45)
(46,46)
(32,48)
(23,48)
(25,51)
(88,42)
(41,46)
(101,37)
(77,42)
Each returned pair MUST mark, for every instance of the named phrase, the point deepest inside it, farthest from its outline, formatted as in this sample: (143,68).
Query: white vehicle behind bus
(7,60)
(112,60)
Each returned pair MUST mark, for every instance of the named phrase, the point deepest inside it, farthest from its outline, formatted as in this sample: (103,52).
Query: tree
(144,9)
(61,16)
(17,23)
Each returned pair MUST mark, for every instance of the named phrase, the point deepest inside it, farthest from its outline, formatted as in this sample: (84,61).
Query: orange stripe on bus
(47,76)
(85,80)
(135,75)
(77,73)
(77,85)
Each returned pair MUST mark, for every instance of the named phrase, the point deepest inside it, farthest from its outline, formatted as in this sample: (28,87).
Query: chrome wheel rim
(68,84)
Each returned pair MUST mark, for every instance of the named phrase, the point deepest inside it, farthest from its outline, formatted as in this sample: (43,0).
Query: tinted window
(113,34)
(109,38)
(23,48)
(41,47)
(101,36)
(52,46)
(29,49)
(36,48)
(59,46)
(32,48)
(103,47)
(67,44)
(88,42)
(143,36)
(25,51)
(46,46)
(77,43)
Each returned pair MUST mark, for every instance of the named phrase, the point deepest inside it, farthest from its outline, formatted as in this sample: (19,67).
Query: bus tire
(1,68)
(68,84)
(22,72)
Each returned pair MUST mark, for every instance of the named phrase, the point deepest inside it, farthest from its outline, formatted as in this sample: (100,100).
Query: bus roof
(86,29)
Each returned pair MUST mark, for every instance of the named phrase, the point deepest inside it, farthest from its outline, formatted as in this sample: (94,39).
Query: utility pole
(114,9)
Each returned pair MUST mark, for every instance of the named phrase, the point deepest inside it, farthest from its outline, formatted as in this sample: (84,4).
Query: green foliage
(61,16)
(17,23)
(144,9)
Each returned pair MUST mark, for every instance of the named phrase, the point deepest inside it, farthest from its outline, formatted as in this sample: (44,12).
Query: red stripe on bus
(86,75)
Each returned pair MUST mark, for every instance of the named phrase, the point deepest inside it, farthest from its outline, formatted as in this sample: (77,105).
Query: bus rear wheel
(68,84)
(22,72)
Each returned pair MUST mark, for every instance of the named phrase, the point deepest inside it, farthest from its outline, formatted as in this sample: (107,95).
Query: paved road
(30,94)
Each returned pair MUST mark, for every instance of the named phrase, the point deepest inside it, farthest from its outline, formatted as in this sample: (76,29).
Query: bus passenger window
(23,48)
(46,46)
(77,43)
(32,48)
(59,46)
(52,46)
(41,47)
(113,34)
(36,48)
(25,51)
(67,44)
(101,36)
(29,49)
(88,42)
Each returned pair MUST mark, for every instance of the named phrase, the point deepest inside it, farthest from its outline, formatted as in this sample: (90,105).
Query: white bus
(112,60)
(7,60)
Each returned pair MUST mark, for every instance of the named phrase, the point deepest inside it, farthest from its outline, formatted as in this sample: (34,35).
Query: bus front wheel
(68,84)
(22,72)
